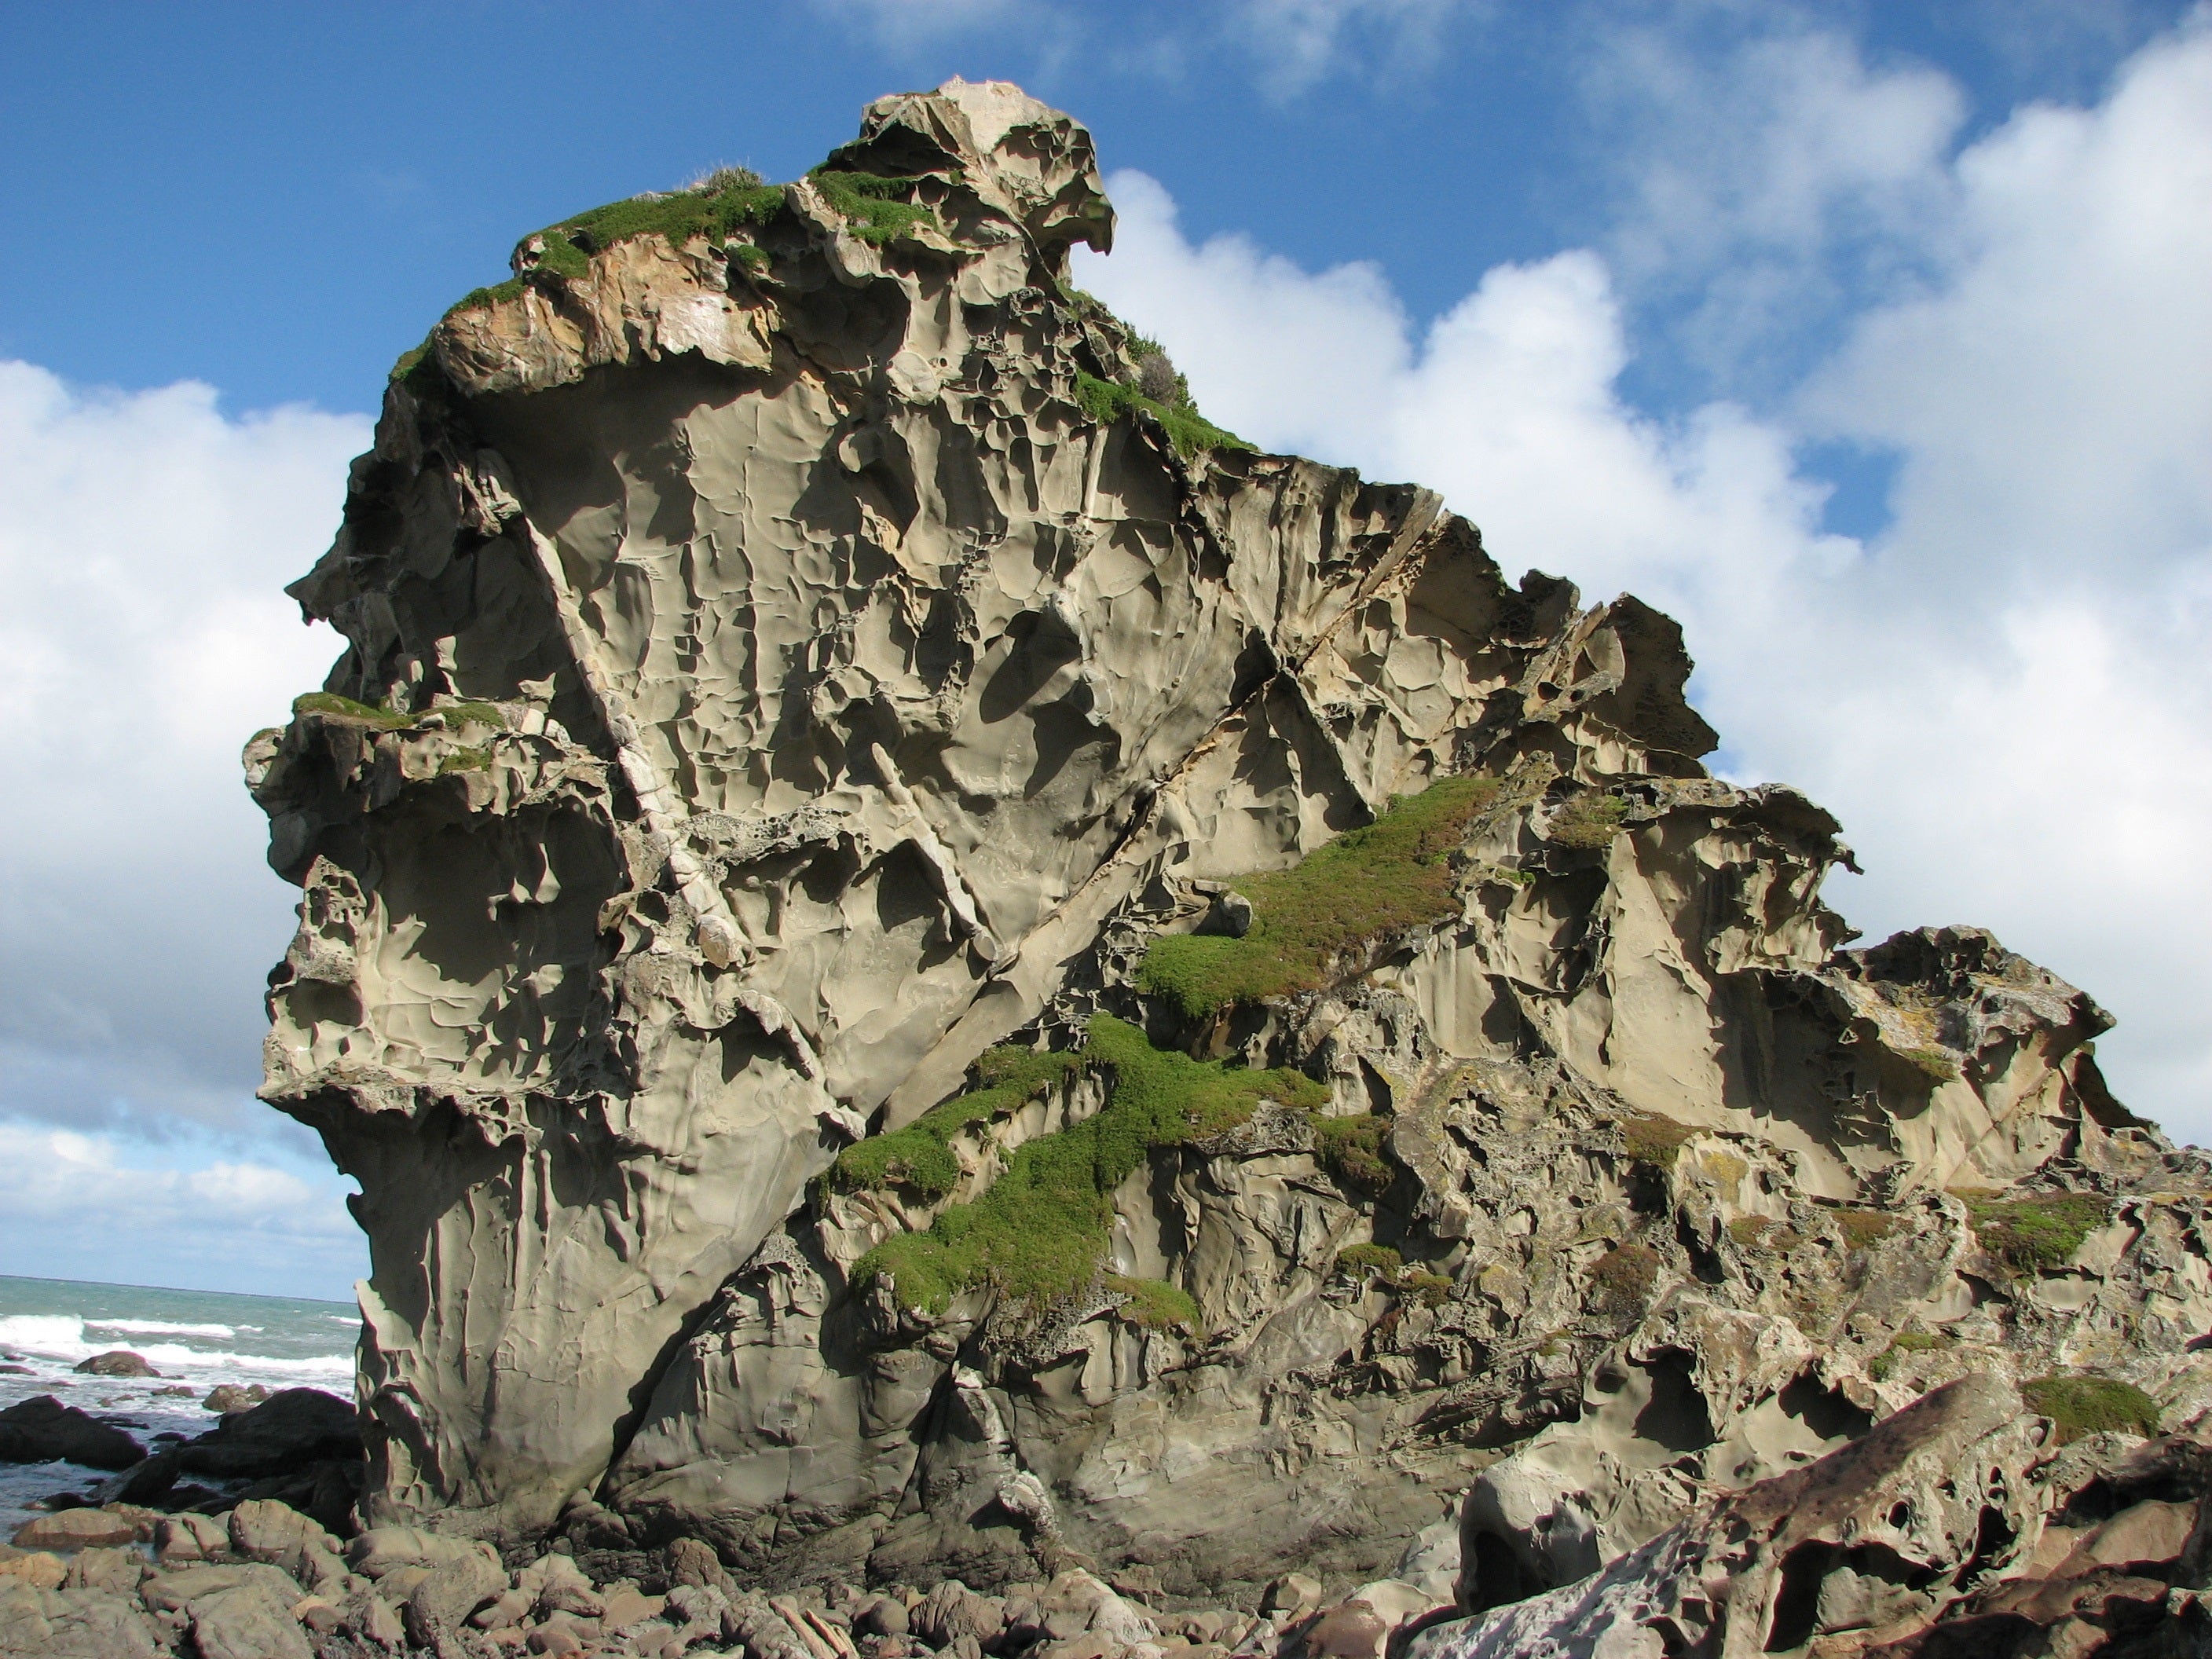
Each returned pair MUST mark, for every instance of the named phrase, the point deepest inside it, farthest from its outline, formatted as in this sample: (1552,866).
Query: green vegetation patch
(1155,1304)
(919,1157)
(1864,1228)
(2034,1235)
(2091,1405)
(1431,1288)
(1369,1258)
(1590,820)
(1623,1277)
(1351,1149)
(386,720)
(1039,1232)
(1649,1137)
(716,208)
(876,208)
(1392,874)
(1105,402)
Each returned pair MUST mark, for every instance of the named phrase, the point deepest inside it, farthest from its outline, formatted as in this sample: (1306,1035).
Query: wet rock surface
(973,1019)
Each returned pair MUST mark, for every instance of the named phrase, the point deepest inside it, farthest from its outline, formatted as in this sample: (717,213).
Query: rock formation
(929,966)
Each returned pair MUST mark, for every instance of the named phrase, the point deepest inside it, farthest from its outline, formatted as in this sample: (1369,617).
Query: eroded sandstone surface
(835,755)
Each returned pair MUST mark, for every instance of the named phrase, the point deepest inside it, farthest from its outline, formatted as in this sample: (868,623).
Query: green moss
(1649,1137)
(1590,820)
(1351,1149)
(2091,1405)
(1864,1228)
(1394,874)
(2031,1235)
(1622,1277)
(1156,1305)
(1106,402)
(1432,1289)
(1369,1258)
(466,760)
(1039,1232)
(919,1157)
(875,208)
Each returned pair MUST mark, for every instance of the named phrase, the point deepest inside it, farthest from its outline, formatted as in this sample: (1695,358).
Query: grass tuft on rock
(1622,1278)
(2038,1234)
(1863,1228)
(1392,874)
(1351,1149)
(1040,1231)
(919,1157)
(1156,1305)
(875,208)
(725,202)
(1651,1138)
(1357,1259)
(2091,1405)
(1106,402)
(1589,821)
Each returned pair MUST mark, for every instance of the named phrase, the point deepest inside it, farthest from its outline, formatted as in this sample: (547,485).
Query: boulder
(74,1624)
(39,1569)
(185,1538)
(293,1427)
(381,1551)
(247,1621)
(228,1397)
(1880,1533)
(440,1605)
(42,1430)
(178,1590)
(262,1530)
(117,1362)
(74,1529)
(145,1481)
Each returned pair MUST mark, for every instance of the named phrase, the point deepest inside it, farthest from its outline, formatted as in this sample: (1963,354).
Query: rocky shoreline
(1883,1550)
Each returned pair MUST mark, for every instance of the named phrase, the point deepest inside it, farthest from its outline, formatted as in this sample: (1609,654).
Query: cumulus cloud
(75,1205)
(145,540)
(2001,695)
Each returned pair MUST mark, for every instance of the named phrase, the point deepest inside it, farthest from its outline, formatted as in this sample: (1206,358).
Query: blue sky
(1872,340)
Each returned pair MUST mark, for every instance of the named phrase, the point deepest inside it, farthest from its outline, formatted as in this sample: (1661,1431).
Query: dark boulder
(42,1430)
(291,1428)
(117,1362)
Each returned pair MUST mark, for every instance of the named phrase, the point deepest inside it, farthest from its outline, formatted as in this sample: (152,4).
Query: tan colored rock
(39,1569)
(770,683)
(74,1529)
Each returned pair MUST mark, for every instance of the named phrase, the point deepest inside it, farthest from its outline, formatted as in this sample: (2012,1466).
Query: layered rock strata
(796,669)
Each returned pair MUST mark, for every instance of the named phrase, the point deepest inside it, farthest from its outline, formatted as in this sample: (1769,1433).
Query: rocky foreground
(1963,1526)
(970,1014)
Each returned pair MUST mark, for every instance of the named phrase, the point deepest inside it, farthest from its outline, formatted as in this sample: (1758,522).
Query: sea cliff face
(929,965)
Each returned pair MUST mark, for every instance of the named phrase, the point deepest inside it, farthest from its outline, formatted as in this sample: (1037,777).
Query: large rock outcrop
(808,666)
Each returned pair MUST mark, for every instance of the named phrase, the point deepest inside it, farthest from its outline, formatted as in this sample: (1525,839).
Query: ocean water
(195,1339)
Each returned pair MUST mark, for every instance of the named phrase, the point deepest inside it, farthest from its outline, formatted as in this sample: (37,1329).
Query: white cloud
(1767,176)
(2004,697)
(75,1205)
(1301,43)
(144,541)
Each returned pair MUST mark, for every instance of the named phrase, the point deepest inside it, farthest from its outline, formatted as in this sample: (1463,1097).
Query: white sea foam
(161,1327)
(63,1337)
